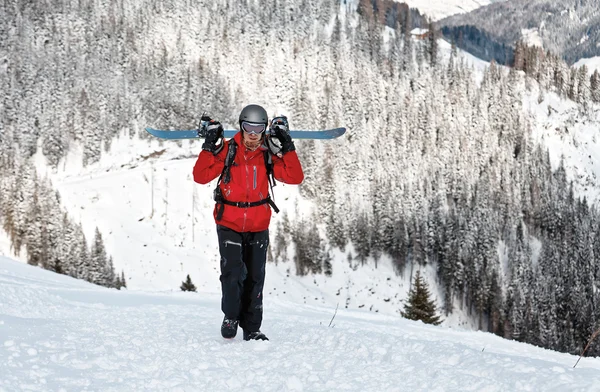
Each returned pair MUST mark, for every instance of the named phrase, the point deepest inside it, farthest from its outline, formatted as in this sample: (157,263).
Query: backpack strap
(269,165)
(225,177)
(229,161)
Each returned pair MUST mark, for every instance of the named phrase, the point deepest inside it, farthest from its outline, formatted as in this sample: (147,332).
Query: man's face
(252,137)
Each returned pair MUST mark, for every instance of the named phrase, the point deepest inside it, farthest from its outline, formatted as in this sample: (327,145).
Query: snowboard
(229,133)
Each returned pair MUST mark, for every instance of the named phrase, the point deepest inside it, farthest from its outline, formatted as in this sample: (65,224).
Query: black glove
(214,132)
(281,129)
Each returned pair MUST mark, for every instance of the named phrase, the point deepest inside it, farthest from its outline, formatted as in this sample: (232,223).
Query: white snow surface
(62,334)
(592,64)
(440,9)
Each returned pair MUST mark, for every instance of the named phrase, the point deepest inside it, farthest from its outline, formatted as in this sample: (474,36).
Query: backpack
(226,177)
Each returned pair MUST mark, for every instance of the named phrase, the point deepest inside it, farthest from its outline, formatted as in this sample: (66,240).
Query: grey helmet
(254,114)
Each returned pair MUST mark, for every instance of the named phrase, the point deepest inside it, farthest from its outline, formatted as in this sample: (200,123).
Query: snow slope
(570,137)
(592,63)
(60,334)
(439,9)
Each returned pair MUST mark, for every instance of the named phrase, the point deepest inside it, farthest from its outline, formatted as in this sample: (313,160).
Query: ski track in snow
(60,334)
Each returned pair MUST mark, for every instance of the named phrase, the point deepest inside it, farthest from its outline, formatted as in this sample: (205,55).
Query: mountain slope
(569,28)
(60,334)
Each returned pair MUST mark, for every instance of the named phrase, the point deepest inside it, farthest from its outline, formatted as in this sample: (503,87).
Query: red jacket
(249,183)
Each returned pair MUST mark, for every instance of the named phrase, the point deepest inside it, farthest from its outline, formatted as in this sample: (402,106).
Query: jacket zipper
(247,190)
(254,178)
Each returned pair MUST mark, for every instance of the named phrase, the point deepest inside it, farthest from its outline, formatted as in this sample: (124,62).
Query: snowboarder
(243,209)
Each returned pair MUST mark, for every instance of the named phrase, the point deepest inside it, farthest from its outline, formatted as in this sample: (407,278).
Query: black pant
(243,259)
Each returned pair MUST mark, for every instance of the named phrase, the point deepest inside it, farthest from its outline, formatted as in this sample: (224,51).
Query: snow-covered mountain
(568,28)
(58,334)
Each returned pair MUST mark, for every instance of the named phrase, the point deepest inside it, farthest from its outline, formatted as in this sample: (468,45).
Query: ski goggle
(253,128)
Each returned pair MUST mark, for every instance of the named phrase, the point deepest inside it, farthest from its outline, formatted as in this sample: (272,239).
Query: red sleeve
(288,168)
(209,166)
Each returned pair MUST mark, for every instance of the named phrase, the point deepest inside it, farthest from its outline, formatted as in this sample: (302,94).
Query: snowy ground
(61,334)
(439,9)
(592,64)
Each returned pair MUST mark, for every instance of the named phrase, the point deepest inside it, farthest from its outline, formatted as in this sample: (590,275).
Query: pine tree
(67,246)
(583,85)
(188,285)
(81,255)
(311,256)
(407,51)
(98,261)
(109,273)
(121,281)
(419,305)
(595,86)
(519,53)
(433,46)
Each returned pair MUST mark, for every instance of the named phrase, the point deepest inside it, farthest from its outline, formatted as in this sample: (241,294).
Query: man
(243,210)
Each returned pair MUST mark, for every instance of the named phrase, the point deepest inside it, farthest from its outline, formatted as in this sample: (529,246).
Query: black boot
(229,328)
(254,336)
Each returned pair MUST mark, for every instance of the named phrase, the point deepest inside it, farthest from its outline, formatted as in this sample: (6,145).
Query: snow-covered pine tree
(97,272)
(433,44)
(407,50)
(311,256)
(36,238)
(67,247)
(583,86)
(519,56)
(109,273)
(123,281)
(595,86)
(52,222)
